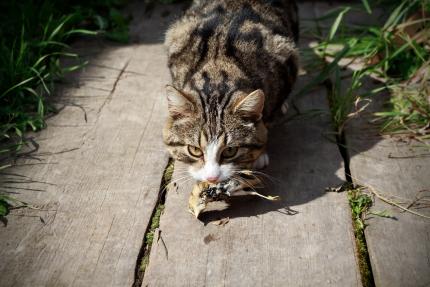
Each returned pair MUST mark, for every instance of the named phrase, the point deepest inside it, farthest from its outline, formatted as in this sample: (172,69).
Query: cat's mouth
(243,180)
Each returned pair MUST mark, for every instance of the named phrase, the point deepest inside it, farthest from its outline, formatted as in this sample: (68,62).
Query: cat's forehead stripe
(221,50)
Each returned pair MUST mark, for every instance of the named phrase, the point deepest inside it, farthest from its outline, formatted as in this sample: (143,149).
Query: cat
(233,63)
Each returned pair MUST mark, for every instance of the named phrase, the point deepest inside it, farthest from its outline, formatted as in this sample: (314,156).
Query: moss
(155,223)
(360,203)
(144,262)
(155,220)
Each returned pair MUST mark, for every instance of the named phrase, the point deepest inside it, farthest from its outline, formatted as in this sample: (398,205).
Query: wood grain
(306,239)
(399,247)
(96,177)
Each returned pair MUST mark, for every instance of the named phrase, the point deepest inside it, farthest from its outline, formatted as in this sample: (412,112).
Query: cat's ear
(179,103)
(251,106)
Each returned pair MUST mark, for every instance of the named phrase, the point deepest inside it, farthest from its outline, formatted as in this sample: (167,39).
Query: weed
(360,203)
(4,206)
(399,52)
(7,202)
(409,109)
(344,103)
(396,49)
(34,35)
(143,259)
(149,237)
(167,177)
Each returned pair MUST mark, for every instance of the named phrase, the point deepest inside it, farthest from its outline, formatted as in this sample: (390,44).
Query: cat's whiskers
(241,181)
(266,175)
(262,174)
(185,181)
(181,180)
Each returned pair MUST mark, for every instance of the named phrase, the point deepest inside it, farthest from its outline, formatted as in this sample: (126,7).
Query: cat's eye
(229,152)
(194,151)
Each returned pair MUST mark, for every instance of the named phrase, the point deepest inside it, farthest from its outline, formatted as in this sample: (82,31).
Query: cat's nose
(213,179)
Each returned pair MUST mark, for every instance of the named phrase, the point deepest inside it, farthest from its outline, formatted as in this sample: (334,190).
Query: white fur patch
(212,168)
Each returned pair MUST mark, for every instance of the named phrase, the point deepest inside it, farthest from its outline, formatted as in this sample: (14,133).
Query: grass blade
(82,32)
(59,27)
(337,22)
(324,74)
(367,6)
(17,86)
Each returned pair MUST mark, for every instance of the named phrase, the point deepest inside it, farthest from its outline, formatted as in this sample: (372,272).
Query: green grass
(397,52)
(344,103)
(155,220)
(360,203)
(409,109)
(395,49)
(149,237)
(34,37)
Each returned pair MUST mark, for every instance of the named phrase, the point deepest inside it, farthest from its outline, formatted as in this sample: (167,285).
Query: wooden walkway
(96,176)
(399,247)
(95,182)
(288,243)
(304,240)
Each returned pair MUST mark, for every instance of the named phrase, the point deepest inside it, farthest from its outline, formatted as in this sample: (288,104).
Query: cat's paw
(262,161)
(284,108)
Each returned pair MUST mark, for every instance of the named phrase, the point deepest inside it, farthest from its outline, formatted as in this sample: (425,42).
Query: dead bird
(204,192)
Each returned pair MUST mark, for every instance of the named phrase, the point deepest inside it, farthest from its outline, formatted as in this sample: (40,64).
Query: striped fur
(220,52)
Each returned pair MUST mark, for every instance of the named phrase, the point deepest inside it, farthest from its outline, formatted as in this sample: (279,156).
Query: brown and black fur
(229,34)
(221,51)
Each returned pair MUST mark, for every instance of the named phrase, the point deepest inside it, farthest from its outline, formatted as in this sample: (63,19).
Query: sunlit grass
(34,37)
(360,203)
(409,108)
(397,52)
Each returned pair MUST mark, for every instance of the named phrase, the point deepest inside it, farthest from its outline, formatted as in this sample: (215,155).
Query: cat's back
(253,41)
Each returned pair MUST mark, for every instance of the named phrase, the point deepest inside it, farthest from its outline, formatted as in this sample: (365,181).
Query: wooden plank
(97,181)
(304,240)
(399,248)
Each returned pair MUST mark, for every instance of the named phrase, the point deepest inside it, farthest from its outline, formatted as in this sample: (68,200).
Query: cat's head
(216,137)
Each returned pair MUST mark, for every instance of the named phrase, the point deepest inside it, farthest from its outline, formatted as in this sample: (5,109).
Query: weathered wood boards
(304,240)
(399,247)
(97,180)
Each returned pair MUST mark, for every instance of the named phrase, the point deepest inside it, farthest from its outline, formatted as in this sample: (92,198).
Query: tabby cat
(233,63)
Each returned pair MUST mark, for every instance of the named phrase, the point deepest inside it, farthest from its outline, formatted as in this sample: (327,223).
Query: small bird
(205,192)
